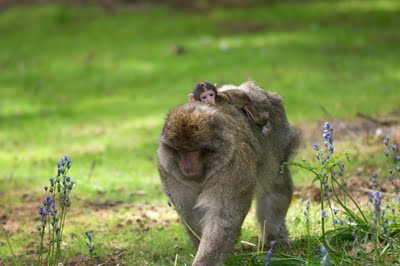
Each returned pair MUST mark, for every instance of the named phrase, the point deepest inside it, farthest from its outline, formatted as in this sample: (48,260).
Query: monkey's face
(208,97)
(190,164)
(190,139)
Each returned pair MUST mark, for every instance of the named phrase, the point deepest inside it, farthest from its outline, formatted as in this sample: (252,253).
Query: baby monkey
(207,93)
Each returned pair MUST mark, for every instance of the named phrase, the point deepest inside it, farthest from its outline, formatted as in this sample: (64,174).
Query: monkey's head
(204,92)
(191,136)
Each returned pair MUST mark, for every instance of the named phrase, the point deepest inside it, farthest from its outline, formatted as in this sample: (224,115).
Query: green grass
(97,87)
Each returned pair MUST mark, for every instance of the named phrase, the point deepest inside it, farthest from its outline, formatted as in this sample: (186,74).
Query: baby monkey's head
(204,92)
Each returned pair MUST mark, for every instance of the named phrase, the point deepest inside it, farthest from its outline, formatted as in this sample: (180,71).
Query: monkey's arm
(217,240)
(242,101)
(237,98)
(259,117)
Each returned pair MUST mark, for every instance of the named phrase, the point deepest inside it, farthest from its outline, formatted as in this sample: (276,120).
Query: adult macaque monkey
(213,161)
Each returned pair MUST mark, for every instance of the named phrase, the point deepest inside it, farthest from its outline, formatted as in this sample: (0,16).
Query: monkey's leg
(266,129)
(272,206)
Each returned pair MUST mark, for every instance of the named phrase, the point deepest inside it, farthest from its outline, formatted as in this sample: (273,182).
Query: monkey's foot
(266,129)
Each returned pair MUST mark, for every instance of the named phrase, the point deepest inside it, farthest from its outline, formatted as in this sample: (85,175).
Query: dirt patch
(359,188)
(364,129)
(311,192)
(23,209)
(107,204)
(147,217)
(112,258)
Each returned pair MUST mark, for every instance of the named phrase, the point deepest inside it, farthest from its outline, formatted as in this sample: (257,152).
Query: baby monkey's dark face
(205,92)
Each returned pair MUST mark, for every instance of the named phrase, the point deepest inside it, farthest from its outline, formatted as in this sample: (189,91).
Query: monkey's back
(235,97)
(283,138)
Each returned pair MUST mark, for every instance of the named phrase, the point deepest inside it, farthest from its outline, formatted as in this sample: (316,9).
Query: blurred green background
(95,82)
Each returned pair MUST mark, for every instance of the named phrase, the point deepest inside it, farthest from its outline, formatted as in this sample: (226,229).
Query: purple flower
(71,185)
(269,258)
(63,165)
(374,175)
(325,257)
(281,229)
(328,136)
(42,212)
(377,200)
(386,141)
(307,210)
(323,251)
(88,236)
(392,182)
(386,152)
(48,200)
(338,222)
(323,214)
(327,126)
(315,146)
(385,224)
(269,253)
(394,147)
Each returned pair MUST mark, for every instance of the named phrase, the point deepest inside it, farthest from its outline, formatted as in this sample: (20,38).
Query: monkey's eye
(212,94)
(204,97)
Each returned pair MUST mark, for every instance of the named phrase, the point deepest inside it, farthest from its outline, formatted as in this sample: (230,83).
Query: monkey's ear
(191,97)
(216,86)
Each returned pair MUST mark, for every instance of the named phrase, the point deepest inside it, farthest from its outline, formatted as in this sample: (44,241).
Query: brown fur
(230,157)
(190,127)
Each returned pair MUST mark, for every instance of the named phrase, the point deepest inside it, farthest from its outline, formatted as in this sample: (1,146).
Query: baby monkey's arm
(242,101)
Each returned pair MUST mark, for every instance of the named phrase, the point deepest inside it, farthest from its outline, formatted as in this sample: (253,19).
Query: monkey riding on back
(208,93)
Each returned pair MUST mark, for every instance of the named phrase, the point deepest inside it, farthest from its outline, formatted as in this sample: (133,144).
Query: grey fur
(240,161)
